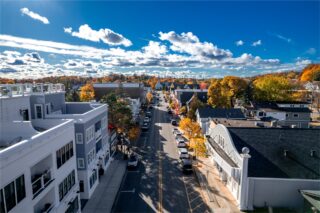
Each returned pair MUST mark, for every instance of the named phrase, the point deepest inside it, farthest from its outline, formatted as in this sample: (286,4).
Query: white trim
(49,108)
(78,141)
(35,111)
(78,162)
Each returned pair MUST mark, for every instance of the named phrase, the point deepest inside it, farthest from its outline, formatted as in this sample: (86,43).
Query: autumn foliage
(311,73)
(87,93)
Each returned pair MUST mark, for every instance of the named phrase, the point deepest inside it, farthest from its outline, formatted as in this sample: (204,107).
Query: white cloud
(67,29)
(257,43)
(33,15)
(311,51)
(187,53)
(189,43)
(155,48)
(239,43)
(105,35)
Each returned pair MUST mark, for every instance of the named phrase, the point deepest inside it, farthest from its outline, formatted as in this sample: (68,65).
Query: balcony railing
(40,182)
(47,208)
(9,90)
(98,134)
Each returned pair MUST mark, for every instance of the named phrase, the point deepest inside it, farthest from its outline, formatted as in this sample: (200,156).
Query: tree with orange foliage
(311,73)
(87,93)
(133,133)
(191,129)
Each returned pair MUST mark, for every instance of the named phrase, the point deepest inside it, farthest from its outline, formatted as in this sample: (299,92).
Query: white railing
(41,182)
(9,90)
(98,134)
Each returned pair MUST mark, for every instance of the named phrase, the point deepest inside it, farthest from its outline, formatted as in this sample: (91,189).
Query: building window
(38,111)
(81,186)
(66,185)
(64,154)
(20,188)
(93,178)
(1,201)
(79,138)
(73,206)
(296,115)
(25,114)
(80,163)
(90,134)
(10,196)
(48,108)
(287,115)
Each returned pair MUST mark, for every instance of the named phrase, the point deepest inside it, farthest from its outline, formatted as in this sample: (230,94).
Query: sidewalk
(106,192)
(216,194)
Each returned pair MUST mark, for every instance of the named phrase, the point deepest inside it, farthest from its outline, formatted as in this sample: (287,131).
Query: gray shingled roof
(209,112)
(267,147)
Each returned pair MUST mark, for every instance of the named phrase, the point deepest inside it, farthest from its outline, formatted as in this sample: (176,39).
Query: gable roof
(186,96)
(267,149)
(273,106)
(209,112)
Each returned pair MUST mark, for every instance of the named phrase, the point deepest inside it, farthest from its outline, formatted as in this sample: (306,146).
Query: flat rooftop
(20,132)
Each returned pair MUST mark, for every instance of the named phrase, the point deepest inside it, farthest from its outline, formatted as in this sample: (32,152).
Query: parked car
(186,166)
(174,122)
(148,114)
(169,112)
(175,130)
(133,161)
(181,145)
(146,119)
(183,151)
(179,139)
(145,127)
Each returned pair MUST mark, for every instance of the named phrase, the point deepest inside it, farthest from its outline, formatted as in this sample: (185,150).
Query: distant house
(159,86)
(265,166)
(183,96)
(131,90)
(205,114)
(291,114)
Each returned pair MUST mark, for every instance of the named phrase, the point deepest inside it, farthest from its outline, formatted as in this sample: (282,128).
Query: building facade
(265,167)
(37,156)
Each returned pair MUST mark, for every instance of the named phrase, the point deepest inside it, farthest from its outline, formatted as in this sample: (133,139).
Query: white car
(183,153)
(179,139)
(181,145)
(133,161)
(146,119)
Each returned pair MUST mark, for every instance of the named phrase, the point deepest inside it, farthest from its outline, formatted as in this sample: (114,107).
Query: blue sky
(210,38)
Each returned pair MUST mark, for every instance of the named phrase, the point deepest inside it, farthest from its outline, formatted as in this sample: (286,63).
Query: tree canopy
(87,93)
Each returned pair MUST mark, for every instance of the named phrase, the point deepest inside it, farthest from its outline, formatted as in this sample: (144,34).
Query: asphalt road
(158,185)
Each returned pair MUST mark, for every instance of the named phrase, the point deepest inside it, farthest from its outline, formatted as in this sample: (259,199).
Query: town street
(158,184)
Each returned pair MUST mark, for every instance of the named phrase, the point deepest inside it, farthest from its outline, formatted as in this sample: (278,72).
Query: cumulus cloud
(257,43)
(33,15)
(239,43)
(174,53)
(107,36)
(189,43)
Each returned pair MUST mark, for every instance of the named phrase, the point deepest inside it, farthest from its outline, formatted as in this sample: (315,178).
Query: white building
(37,156)
(265,166)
